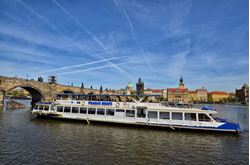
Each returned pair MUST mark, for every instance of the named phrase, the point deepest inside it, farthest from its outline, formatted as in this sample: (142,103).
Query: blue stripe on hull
(227,127)
(230,126)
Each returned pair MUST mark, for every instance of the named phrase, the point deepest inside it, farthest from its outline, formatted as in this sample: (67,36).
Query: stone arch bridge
(40,91)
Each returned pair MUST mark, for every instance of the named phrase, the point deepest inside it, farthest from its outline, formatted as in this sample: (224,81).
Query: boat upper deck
(136,103)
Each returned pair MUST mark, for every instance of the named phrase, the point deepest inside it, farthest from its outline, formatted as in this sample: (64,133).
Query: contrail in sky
(90,69)
(123,11)
(41,17)
(56,29)
(80,65)
(50,24)
(125,14)
(92,36)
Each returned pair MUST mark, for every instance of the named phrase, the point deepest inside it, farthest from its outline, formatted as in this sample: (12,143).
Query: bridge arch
(36,94)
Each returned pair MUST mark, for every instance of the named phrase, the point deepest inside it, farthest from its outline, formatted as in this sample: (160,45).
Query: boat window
(83,110)
(190,116)
(110,112)
(46,107)
(141,112)
(152,114)
(59,109)
(67,109)
(91,111)
(204,117)
(176,116)
(41,107)
(164,115)
(36,107)
(75,109)
(130,113)
(100,111)
(119,110)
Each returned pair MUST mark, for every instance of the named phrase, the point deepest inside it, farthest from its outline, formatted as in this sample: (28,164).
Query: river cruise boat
(135,113)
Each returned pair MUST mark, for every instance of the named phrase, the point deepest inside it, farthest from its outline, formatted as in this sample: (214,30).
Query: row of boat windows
(93,111)
(129,113)
(178,116)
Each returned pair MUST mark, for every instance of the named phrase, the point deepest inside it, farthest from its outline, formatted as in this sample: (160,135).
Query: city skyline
(112,42)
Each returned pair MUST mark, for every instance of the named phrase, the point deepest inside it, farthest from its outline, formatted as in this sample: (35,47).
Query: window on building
(110,112)
(100,111)
(152,114)
(83,110)
(59,109)
(190,116)
(91,111)
(164,115)
(130,113)
(176,116)
(204,117)
(67,109)
(75,109)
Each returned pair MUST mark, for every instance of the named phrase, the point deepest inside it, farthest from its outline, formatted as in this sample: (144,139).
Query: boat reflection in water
(74,106)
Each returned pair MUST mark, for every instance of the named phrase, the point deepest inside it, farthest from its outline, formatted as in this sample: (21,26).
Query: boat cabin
(139,112)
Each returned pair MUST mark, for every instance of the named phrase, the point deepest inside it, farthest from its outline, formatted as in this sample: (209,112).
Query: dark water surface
(25,139)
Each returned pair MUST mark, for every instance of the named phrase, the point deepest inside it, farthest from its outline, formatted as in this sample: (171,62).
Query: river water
(25,139)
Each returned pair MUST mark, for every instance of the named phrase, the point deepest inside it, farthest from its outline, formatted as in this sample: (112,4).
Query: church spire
(181,84)
(181,80)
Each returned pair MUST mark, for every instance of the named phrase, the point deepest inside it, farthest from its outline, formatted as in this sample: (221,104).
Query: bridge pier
(2,94)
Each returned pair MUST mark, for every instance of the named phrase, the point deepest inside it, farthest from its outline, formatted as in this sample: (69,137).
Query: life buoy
(117,104)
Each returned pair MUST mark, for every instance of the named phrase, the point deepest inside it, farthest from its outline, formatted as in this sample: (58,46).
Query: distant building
(232,97)
(140,87)
(198,95)
(179,94)
(157,92)
(192,96)
(243,93)
(201,95)
(218,96)
(129,88)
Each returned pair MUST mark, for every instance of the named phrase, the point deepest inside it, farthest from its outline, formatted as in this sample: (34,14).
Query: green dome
(130,85)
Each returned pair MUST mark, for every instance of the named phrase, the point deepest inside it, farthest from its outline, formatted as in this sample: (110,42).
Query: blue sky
(111,42)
